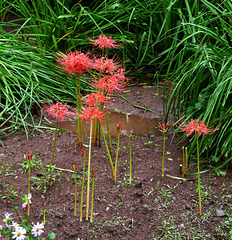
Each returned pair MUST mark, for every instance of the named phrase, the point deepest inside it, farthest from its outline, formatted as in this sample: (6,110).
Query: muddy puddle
(131,124)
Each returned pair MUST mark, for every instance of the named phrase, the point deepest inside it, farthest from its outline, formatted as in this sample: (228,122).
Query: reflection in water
(130,124)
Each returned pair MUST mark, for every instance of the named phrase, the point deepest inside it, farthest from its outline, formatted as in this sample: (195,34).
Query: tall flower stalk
(75,192)
(93,178)
(119,129)
(57,111)
(130,176)
(198,127)
(90,113)
(163,129)
(83,154)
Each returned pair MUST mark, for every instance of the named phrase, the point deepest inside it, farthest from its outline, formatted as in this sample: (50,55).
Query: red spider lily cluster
(199,127)
(75,62)
(163,127)
(104,42)
(59,111)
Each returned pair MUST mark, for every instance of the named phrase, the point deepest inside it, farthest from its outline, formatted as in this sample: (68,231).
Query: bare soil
(152,207)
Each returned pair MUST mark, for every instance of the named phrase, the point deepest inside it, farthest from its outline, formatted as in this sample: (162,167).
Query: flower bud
(119,127)
(74,168)
(83,153)
(130,138)
(93,171)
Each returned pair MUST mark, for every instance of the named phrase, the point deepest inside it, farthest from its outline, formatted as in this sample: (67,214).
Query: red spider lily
(105,65)
(198,127)
(59,111)
(93,171)
(75,62)
(105,42)
(28,156)
(95,98)
(163,127)
(119,127)
(110,84)
(91,113)
(83,153)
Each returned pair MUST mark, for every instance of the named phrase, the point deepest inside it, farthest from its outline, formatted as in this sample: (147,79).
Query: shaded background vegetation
(187,44)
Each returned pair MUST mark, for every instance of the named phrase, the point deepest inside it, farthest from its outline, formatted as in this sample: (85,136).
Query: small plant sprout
(198,127)
(130,176)
(93,173)
(75,179)
(83,154)
(28,157)
(57,111)
(119,128)
(163,129)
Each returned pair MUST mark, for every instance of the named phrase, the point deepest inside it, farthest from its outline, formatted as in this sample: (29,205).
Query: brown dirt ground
(153,207)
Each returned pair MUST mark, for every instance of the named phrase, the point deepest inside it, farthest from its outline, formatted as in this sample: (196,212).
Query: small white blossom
(8,220)
(19,233)
(37,229)
(26,199)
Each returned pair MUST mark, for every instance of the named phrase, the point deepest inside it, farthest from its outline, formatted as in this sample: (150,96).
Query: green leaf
(51,235)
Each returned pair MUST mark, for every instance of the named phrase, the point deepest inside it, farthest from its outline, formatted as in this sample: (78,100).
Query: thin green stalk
(82,189)
(53,151)
(107,149)
(183,166)
(91,217)
(130,177)
(116,160)
(186,159)
(44,213)
(108,130)
(163,156)
(88,176)
(75,201)
(78,110)
(29,182)
(199,181)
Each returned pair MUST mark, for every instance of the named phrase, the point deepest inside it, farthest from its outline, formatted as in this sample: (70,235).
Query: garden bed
(152,207)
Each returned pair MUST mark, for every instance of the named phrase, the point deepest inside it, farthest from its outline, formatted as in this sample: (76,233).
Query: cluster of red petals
(104,42)
(58,111)
(28,156)
(95,99)
(163,127)
(198,127)
(119,127)
(105,65)
(111,83)
(75,62)
(91,113)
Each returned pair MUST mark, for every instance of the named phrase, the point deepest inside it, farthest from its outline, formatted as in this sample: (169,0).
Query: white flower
(8,220)
(14,225)
(26,200)
(37,229)
(19,233)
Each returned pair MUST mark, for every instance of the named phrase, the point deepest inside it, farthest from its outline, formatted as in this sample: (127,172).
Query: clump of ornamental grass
(163,129)
(58,111)
(199,128)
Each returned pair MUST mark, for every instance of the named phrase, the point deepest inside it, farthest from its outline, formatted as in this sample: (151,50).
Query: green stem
(91,217)
(82,189)
(75,201)
(53,151)
(88,176)
(107,149)
(78,83)
(130,177)
(183,166)
(116,160)
(108,129)
(199,181)
(163,156)
(29,182)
